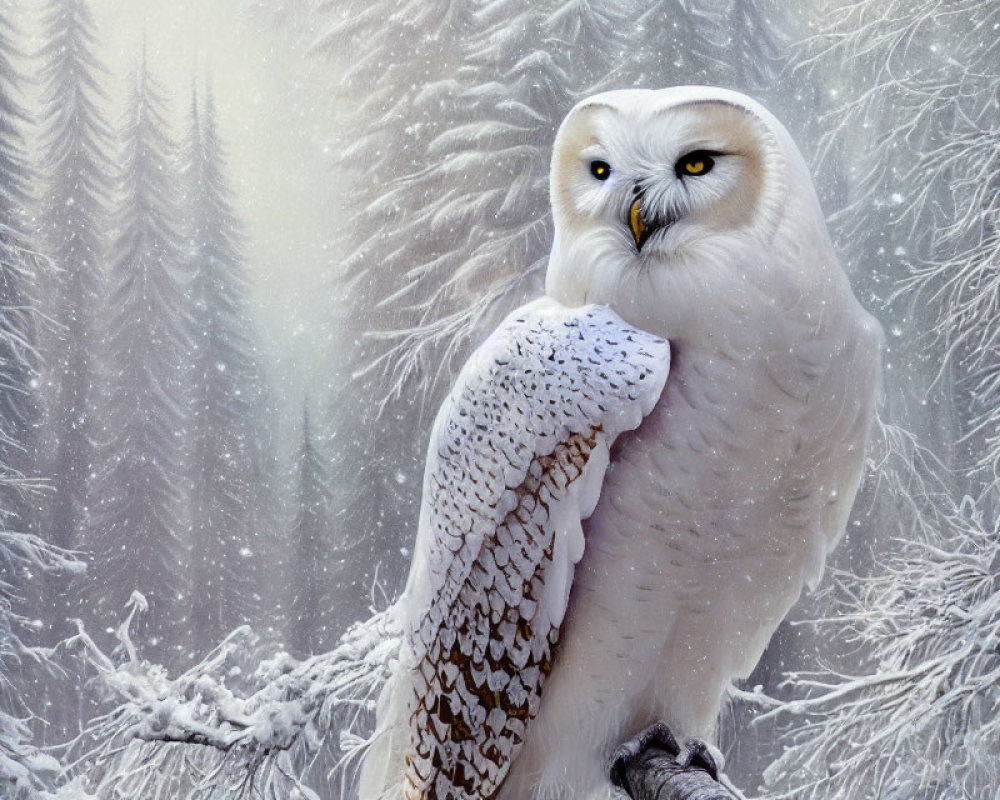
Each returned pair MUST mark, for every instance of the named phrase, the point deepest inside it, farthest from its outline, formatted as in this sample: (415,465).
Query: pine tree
(675,42)
(460,184)
(24,771)
(18,308)
(405,77)
(313,595)
(228,403)
(137,529)
(755,46)
(75,168)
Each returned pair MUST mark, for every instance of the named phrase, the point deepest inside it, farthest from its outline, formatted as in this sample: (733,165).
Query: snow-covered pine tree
(486,230)
(136,529)
(18,307)
(75,169)
(755,52)
(469,230)
(227,417)
(675,42)
(24,771)
(312,625)
(400,83)
(76,188)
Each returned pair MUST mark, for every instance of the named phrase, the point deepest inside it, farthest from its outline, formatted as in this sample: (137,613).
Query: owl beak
(637,223)
(642,225)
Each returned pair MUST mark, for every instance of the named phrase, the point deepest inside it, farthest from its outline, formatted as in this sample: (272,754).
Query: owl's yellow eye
(698,162)
(600,170)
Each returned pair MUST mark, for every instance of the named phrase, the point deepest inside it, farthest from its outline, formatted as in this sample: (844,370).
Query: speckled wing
(516,461)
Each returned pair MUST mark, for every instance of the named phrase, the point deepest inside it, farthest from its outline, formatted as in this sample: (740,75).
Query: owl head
(684,197)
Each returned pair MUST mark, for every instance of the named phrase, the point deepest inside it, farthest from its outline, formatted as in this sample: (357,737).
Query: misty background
(246,245)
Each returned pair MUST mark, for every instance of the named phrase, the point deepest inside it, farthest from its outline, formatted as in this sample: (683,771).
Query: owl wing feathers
(516,461)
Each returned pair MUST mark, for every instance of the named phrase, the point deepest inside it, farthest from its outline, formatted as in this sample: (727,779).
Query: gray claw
(697,754)
(656,734)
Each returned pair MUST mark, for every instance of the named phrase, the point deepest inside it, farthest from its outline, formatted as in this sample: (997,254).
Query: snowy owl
(634,476)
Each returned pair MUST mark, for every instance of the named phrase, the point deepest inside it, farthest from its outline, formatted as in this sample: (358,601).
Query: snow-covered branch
(921,716)
(914,124)
(25,772)
(259,719)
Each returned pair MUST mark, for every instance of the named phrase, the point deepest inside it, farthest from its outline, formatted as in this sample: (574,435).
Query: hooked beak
(637,223)
(642,226)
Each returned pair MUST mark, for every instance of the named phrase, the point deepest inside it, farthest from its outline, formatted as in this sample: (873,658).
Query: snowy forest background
(238,272)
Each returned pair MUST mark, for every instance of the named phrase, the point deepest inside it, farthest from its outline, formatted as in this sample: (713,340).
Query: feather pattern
(516,461)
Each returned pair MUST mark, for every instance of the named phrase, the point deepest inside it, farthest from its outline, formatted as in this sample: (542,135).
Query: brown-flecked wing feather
(515,463)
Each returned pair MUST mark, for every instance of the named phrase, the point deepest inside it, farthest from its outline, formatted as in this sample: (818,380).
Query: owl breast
(713,514)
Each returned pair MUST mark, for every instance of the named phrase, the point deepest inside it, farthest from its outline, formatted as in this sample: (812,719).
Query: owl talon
(698,754)
(656,734)
(695,754)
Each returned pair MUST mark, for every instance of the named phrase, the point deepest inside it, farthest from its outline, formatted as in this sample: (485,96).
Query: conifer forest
(245,246)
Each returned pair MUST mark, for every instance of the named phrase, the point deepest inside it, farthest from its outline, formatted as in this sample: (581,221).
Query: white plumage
(535,639)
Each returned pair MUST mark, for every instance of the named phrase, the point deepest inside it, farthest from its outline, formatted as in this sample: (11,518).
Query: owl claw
(699,755)
(656,734)
(695,754)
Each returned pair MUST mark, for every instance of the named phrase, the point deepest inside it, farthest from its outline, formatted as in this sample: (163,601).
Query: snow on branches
(914,120)
(259,728)
(922,722)
(911,122)
(919,719)
(25,772)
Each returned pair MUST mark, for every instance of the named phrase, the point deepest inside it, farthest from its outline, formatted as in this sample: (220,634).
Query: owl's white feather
(691,214)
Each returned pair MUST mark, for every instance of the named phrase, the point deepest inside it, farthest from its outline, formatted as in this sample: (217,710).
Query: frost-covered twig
(921,717)
(752,699)
(25,772)
(916,122)
(215,726)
